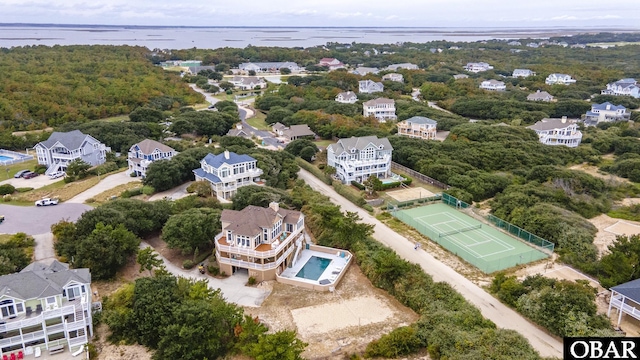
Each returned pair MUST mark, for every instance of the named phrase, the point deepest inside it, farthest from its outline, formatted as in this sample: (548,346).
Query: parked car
(21,173)
(56,175)
(30,175)
(47,202)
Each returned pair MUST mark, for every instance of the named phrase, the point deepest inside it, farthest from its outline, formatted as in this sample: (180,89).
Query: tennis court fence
(394,204)
(545,246)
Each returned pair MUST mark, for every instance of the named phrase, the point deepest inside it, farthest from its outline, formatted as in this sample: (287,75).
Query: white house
(348,97)
(477,67)
(408,66)
(418,127)
(460,76)
(514,43)
(625,298)
(557,132)
(331,63)
(268,66)
(562,79)
(623,87)
(606,112)
(46,306)
(533,45)
(248,82)
(369,87)
(227,172)
(142,154)
(522,73)
(260,242)
(62,148)
(293,132)
(540,96)
(493,85)
(393,77)
(361,70)
(357,158)
(382,109)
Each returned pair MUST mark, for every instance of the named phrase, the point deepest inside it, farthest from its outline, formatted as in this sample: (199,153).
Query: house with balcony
(540,96)
(369,87)
(144,153)
(248,82)
(517,73)
(227,172)
(348,97)
(357,158)
(623,87)
(557,132)
(331,63)
(45,306)
(493,85)
(606,112)
(408,66)
(259,241)
(562,79)
(63,147)
(362,70)
(418,127)
(477,67)
(268,66)
(382,109)
(393,77)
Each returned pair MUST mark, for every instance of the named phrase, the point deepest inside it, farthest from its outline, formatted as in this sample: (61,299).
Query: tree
(77,169)
(285,71)
(252,73)
(106,250)
(225,85)
(145,114)
(282,345)
(201,188)
(192,229)
(163,175)
(148,259)
(308,153)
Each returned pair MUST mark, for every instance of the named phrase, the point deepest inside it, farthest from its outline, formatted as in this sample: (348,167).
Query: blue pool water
(313,268)
(5,158)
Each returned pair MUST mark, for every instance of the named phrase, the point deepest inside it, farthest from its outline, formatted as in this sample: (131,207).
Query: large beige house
(260,242)
(418,127)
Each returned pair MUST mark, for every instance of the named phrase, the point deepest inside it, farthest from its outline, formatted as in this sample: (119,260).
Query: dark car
(30,175)
(20,173)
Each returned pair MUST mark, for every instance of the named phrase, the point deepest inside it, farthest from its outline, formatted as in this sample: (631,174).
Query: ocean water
(240,37)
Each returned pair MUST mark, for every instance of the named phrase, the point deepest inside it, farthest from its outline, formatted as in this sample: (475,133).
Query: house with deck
(348,97)
(382,109)
(362,70)
(357,158)
(248,82)
(561,79)
(418,127)
(369,87)
(625,298)
(623,87)
(540,96)
(46,307)
(331,63)
(606,112)
(259,67)
(493,85)
(261,242)
(144,153)
(64,147)
(227,172)
(517,73)
(393,77)
(553,131)
(477,67)
(408,66)
(293,132)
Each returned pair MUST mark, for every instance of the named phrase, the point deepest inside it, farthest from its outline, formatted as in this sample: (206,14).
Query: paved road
(491,308)
(233,287)
(37,220)
(105,184)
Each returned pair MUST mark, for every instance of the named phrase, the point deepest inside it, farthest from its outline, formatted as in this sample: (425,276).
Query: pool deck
(331,274)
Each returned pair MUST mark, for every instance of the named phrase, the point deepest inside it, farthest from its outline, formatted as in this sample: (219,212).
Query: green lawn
(118,118)
(257,121)
(7,172)
(323,143)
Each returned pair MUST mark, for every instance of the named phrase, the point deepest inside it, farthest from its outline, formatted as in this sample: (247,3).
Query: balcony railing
(627,309)
(253,265)
(239,250)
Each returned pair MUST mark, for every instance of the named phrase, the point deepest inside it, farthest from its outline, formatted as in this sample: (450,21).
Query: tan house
(293,132)
(418,127)
(540,96)
(259,241)
(393,77)
(144,153)
(348,97)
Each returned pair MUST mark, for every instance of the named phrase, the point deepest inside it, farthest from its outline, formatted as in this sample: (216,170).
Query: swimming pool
(314,268)
(5,158)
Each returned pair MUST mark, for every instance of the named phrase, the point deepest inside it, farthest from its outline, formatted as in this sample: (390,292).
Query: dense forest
(53,85)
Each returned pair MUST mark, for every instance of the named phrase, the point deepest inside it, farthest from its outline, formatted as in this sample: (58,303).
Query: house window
(52,303)
(73,293)
(8,309)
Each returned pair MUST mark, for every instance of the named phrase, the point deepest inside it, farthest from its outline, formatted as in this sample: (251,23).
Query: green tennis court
(478,243)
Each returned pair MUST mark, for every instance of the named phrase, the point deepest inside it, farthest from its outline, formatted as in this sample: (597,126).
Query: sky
(328,13)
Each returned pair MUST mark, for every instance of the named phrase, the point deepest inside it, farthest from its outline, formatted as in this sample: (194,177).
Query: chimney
(226,154)
(564,119)
(275,206)
(608,106)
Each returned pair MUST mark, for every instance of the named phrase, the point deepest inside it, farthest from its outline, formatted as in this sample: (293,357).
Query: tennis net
(447,233)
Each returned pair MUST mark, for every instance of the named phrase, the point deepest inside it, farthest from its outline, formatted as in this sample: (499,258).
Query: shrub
(344,191)
(188,264)
(148,190)
(401,341)
(251,281)
(24,189)
(7,189)
(107,167)
(133,174)
(90,200)
(40,169)
(131,192)
(358,185)
(213,270)
(7,198)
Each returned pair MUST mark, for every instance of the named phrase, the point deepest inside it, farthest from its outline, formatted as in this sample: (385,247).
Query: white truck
(47,202)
